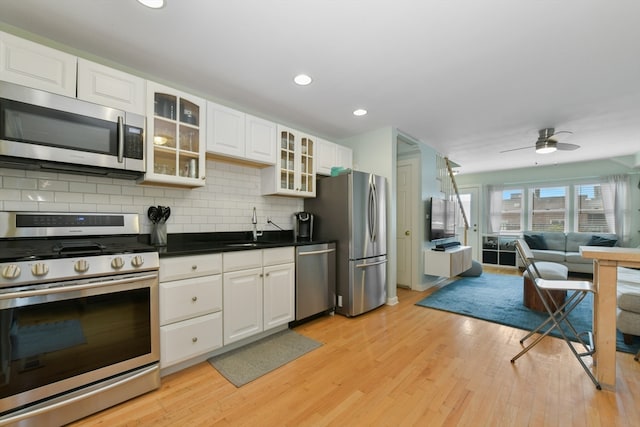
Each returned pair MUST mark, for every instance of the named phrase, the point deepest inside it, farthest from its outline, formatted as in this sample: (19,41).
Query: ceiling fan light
(546,147)
(153,4)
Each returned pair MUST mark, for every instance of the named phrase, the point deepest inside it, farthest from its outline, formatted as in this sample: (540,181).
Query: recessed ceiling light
(359,112)
(302,79)
(154,4)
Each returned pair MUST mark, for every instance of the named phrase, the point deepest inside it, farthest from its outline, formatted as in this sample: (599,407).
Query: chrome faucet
(254,221)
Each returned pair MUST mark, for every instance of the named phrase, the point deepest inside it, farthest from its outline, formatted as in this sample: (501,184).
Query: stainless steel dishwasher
(315,279)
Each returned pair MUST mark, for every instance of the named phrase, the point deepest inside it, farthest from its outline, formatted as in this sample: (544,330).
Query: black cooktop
(50,248)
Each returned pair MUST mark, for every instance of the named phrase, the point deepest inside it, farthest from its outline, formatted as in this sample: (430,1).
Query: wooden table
(605,279)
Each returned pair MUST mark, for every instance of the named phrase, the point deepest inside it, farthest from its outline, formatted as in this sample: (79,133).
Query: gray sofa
(563,248)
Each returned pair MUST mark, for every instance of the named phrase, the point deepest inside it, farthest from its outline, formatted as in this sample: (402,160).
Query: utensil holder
(159,234)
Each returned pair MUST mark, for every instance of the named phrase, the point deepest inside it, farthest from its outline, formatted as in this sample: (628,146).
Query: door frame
(414,207)
(473,235)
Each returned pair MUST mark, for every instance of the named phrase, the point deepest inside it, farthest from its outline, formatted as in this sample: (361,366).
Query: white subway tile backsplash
(224,204)
(53,185)
(20,182)
(37,196)
(82,187)
(61,197)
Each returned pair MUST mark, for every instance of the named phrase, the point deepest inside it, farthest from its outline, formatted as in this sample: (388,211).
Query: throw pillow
(535,241)
(601,241)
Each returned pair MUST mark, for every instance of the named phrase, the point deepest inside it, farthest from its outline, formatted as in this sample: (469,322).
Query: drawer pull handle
(194,267)
(194,299)
(194,339)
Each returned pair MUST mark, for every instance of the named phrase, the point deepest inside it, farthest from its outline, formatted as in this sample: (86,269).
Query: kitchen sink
(244,245)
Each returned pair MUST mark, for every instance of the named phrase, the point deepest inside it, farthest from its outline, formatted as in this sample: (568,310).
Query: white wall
(224,204)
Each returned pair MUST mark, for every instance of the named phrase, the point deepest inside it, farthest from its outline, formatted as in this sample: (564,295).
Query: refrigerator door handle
(373,210)
(370,264)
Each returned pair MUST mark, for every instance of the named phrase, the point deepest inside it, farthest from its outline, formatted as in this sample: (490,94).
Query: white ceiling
(469,78)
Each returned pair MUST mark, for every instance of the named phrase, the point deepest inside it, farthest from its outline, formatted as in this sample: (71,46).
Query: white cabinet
(295,171)
(175,135)
(232,133)
(330,154)
(113,88)
(225,130)
(344,156)
(326,157)
(190,307)
(243,301)
(30,64)
(40,67)
(448,263)
(258,290)
(261,142)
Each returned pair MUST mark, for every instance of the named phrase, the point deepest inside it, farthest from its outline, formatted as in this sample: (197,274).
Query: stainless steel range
(79,328)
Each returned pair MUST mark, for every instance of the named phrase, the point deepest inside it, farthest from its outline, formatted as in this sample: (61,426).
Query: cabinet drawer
(242,260)
(187,298)
(191,266)
(190,338)
(276,256)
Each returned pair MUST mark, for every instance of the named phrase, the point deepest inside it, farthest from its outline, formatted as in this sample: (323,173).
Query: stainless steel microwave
(41,130)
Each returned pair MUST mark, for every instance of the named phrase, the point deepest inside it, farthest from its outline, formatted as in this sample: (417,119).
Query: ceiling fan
(548,142)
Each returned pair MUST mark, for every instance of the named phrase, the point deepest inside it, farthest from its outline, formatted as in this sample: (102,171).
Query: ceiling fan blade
(566,147)
(515,149)
(561,135)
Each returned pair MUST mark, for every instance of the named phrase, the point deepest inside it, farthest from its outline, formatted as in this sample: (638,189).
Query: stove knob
(39,269)
(81,266)
(117,263)
(10,271)
(137,261)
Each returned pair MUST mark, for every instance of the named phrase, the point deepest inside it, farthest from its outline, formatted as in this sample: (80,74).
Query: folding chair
(558,320)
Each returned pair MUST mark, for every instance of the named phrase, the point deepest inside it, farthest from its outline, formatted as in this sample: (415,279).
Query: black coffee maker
(303,226)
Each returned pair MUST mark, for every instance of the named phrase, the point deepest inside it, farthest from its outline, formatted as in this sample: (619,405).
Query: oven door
(58,337)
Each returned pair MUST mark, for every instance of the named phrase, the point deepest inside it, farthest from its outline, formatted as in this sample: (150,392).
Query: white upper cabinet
(261,141)
(113,88)
(30,64)
(330,154)
(175,137)
(232,133)
(326,158)
(225,130)
(344,156)
(295,171)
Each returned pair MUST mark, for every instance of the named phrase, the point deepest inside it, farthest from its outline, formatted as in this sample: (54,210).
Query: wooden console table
(605,278)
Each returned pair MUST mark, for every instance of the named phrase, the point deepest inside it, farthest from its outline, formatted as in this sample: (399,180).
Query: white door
(470,200)
(404,223)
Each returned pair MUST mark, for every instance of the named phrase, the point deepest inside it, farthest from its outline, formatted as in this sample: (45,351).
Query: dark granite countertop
(203,243)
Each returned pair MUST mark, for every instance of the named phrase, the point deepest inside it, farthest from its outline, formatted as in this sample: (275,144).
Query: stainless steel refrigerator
(351,209)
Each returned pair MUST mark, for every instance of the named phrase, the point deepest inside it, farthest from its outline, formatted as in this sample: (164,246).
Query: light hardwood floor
(399,365)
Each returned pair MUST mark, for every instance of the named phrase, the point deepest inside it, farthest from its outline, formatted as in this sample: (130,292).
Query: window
(590,211)
(512,207)
(548,208)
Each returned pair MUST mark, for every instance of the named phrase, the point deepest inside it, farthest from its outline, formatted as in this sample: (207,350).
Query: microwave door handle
(120,139)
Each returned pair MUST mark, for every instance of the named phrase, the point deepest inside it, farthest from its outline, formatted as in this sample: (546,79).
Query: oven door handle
(71,288)
(67,401)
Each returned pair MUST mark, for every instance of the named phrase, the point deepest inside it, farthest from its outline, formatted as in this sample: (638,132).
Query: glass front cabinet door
(295,171)
(175,137)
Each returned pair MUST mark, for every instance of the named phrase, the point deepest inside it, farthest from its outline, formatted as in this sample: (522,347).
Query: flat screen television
(442,219)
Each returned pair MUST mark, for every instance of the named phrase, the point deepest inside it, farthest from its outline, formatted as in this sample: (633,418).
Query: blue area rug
(498,298)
